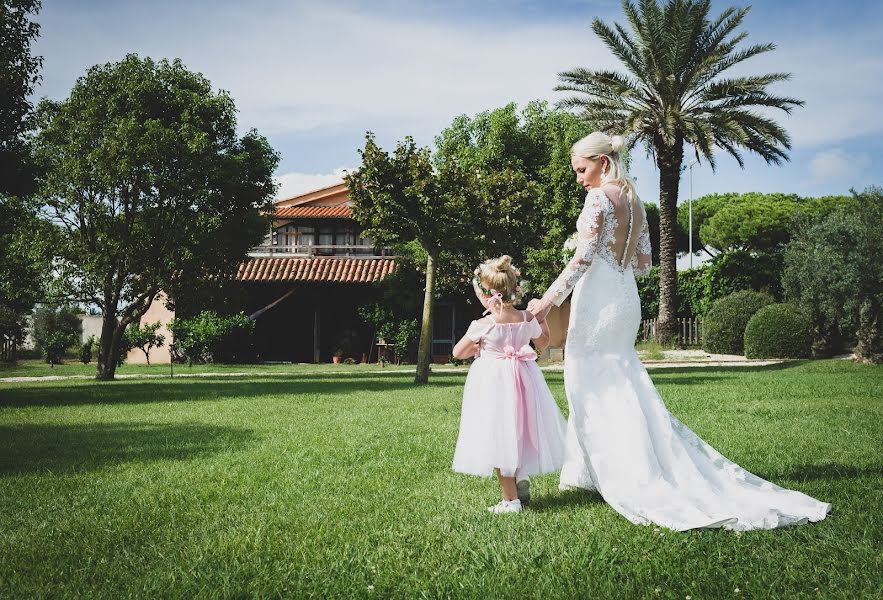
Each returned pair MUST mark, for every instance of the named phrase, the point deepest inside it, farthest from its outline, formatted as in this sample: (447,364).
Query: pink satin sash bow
(526,426)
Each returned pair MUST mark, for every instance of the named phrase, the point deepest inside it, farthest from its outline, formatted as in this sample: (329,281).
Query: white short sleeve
(478,329)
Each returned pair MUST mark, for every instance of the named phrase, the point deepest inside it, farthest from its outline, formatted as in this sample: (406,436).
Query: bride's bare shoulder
(612,191)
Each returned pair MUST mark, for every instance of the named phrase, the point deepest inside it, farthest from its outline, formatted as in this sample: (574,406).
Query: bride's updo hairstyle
(598,144)
(499,274)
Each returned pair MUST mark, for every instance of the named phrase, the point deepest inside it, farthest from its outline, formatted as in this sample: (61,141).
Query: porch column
(316,328)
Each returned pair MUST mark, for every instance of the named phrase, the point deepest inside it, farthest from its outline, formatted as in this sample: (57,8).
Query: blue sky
(315,76)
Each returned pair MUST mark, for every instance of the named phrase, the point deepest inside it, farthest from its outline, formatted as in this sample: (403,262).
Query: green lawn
(39,368)
(314,484)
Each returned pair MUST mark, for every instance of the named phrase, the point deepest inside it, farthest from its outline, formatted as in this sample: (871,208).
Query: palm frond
(674,53)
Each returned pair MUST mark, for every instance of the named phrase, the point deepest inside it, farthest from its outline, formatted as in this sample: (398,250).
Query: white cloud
(301,66)
(294,184)
(838,164)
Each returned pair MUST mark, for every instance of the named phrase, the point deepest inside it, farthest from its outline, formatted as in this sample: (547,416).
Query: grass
(650,350)
(317,485)
(39,368)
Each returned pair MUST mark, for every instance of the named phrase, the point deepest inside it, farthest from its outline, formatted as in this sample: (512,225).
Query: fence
(689,331)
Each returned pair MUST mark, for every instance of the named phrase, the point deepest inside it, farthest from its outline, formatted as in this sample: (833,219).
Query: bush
(723,329)
(779,331)
(56,328)
(731,272)
(209,337)
(86,350)
(406,340)
(725,274)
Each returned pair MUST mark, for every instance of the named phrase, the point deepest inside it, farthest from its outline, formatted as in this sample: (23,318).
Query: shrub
(86,350)
(209,337)
(731,272)
(406,340)
(779,331)
(723,329)
(56,328)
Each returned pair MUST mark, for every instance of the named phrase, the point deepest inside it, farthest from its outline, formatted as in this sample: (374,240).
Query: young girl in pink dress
(510,422)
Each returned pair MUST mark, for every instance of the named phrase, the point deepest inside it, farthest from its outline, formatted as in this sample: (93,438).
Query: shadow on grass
(60,448)
(566,499)
(82,392)
(704,375)
(830,472)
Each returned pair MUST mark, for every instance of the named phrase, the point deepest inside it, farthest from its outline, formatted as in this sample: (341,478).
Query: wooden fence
(689,331)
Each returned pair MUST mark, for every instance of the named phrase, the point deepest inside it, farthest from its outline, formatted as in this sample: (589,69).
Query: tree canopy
(834,269)
(150,186)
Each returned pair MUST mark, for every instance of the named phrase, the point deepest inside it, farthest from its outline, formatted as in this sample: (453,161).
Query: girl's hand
(540,308)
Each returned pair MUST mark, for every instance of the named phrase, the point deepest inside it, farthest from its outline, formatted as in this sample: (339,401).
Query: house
(304,283)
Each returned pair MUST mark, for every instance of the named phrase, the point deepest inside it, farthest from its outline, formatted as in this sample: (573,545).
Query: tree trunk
(108,346)
(424,350)
(869,342)
(668,159)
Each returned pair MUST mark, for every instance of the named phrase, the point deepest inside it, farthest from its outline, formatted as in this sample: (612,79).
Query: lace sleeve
(589,226)
(643,258)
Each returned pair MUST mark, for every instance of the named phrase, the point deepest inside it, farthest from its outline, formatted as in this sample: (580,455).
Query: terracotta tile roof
(328,269)
(340,211)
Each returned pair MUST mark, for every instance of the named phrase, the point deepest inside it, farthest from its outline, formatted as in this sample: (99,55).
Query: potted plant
(338,356)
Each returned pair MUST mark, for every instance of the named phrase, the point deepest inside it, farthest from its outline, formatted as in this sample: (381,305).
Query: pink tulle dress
(509,420)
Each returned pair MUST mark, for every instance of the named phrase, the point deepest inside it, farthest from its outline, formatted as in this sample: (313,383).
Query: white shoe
(506,506)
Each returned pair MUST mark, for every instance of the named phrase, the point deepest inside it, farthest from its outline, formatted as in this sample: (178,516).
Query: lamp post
(690,207)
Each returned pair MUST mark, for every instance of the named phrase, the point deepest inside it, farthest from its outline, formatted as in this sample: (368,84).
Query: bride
(621,440)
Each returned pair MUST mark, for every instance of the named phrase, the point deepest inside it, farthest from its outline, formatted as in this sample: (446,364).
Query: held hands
(540,308)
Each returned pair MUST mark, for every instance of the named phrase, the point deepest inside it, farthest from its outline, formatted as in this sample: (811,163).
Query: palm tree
(672,94)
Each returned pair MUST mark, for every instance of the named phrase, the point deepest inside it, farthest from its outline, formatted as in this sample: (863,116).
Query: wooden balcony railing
(317,250)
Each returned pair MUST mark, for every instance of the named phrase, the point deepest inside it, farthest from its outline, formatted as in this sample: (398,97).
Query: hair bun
(617,142)
(503,263)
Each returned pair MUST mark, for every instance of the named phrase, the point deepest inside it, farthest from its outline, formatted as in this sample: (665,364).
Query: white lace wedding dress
(621,440)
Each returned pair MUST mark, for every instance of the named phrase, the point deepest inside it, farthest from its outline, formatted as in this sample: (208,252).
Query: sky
(314,76)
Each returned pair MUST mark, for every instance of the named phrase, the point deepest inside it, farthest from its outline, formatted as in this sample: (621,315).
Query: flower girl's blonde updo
(499,274)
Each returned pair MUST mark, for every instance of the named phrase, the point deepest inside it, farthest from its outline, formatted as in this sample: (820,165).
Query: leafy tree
(13,328)
(753,221)
(26,244)
(401,198)
(144,338)
(56,328)
(529,149)
(749,225)
(23,237)
(673,94)
(834,270)
(19,73)
(703,208)
(151,188)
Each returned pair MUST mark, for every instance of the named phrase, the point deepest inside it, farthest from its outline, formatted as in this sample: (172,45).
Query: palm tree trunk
(424,350)
(668,159)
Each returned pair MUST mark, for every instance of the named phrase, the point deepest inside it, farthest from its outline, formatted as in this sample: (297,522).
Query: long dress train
(621,440)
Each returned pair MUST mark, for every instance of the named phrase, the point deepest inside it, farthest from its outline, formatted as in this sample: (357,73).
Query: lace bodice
(596,227)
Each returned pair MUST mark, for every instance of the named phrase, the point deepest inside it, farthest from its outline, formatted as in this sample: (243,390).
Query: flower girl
(510,422)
